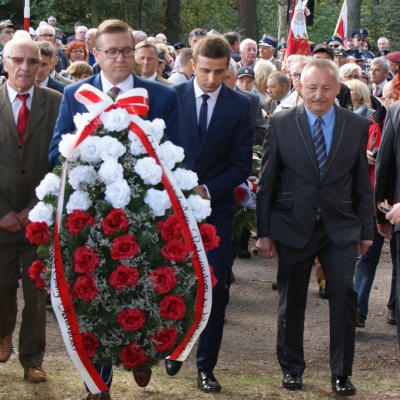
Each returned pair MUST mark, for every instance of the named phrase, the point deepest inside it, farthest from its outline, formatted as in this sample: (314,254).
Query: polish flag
(341,26)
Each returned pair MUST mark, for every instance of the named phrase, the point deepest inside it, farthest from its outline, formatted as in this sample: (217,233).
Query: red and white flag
(341,26)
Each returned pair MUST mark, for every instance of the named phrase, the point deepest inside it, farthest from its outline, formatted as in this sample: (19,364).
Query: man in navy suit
(114,51)
(115,36)
(217,140)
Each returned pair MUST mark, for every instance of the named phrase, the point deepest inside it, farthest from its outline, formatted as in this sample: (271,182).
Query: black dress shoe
(391,318)
(360,321)
(206,381)
(342,386)
(292,382)
(172,366)
(274,286)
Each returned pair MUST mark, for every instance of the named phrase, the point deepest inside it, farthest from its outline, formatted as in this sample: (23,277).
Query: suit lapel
(7,116)
(37,112)
(191,126)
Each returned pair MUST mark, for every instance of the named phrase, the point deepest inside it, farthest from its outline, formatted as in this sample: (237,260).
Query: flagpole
(340,17)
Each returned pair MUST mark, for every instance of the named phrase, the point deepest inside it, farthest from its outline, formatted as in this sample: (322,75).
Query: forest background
(176,18)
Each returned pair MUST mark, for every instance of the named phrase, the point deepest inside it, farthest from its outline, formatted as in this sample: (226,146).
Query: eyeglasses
(78,51)
(114,53)
(335,46)
(20,60)
(197,33)
(8,33)
(48,35)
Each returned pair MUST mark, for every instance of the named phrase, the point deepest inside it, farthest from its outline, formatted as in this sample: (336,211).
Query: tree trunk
(247,16)
(283,27)
(173,17)
(353,16)
(95,13)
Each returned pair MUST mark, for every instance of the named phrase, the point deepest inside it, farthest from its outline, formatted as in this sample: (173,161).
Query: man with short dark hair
(379,72)
(278,86)
(217,136)
(233,39)
(185,71)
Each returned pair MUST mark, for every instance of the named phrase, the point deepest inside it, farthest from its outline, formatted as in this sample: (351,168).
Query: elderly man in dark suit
(114,52)
(314,199)
(217,135)
(28,114)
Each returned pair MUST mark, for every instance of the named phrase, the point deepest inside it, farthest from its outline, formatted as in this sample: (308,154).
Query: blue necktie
(203,117)
(319,144)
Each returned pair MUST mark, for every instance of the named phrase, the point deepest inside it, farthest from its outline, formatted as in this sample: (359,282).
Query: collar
(153,77)
(53,74)
(45,82)
(326,118)
(198,92)
(12,93)
(124,86)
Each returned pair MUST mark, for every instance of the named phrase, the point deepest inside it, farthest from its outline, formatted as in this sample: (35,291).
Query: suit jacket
(388,161)
(162,101)
(55,85)
(160,79)
(291,191)
(22,168)
(62,79)
(223,160)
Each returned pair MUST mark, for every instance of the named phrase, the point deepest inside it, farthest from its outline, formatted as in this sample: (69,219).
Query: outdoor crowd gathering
(134,171)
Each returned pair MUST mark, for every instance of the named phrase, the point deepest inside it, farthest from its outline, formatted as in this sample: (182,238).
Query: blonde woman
(262,71)
(360,96)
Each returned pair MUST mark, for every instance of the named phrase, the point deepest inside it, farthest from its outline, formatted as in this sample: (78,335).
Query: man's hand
(385,230)
(266,247)
(371,158)
(363,246)
(394,214)
(23,217)
(202,192)
(10,222)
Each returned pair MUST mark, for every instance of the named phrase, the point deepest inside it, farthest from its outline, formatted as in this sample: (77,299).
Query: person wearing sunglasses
(334,42)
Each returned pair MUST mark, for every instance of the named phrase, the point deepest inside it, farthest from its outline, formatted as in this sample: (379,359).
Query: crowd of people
(325,121)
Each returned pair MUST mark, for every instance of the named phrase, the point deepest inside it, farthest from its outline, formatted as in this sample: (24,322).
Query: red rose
(175,251)
(133,356)
(85,288)
(115,220)
(36,273)
(171,229)
(172,307)
(38,233)
(131,320)
(77,222)
(163,279)
(209,236)
(90,343)
(240,194)
(214,280)
(165,339)
(85,260)
(124,276)
(124,246)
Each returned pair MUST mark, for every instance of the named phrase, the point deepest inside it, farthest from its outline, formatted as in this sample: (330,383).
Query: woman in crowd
(262,71)
(360,97)
(79,70)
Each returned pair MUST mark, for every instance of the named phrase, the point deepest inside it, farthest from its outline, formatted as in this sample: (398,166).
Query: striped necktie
(319,144)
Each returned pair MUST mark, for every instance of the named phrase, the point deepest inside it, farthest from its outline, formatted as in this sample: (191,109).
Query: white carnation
(81,119)
(158,201)
(200,207)
(42,212)
(66,144)
(118,194)
(90,149)
(115,120)
(82,175)
(111,171)
(49,186)
(79,200)
(148,170)
(186,179)
(171,154)
(157,127)
(111,148)
(136,147)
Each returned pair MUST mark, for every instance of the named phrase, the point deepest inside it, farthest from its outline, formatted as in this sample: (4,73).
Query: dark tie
(203,117)
(113,92)
(319,144)
(23,117)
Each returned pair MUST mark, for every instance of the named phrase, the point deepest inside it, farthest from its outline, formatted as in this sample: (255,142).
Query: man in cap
(356,56)
(281,52)
(7,30)
(245,79)
(394,61)
(340,56)
(179,46)
(267,46)
(334,42)
(359,37)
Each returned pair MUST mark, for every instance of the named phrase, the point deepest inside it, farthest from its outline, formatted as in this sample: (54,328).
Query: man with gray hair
(248,53)
(379,72)
(90,35)
(383,43)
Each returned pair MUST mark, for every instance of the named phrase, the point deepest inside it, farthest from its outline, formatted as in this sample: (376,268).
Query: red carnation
(240,194)
(131,320)
(85,288)
(123,277)
(38,233)
(90,343)
(115,221)
(36,273)
(171,229)
(209,236)
(133,356)
(175,251)
(165,339)
(214,280)
(163,279)
(77,221)
(172,307)
(85,260)
(124,246)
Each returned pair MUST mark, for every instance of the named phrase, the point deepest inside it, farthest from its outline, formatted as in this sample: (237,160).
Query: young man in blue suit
(116,71)
(216,132)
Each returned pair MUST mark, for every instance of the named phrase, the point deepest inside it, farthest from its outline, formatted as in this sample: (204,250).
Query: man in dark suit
(115,72)
(314,199)
(217,136)
(278,86)
(28,114)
